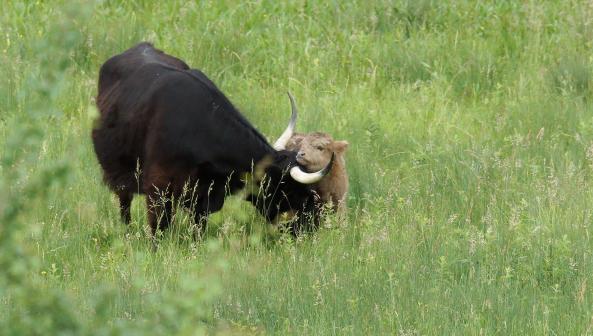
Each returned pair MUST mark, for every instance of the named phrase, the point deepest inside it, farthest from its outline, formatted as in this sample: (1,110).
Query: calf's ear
(340,146)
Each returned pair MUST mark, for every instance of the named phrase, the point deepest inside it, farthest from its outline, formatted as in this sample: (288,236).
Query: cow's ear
(340,146)
(260,168)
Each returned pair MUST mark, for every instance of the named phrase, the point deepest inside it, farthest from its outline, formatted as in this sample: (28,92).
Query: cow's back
(194,122)
(125,64)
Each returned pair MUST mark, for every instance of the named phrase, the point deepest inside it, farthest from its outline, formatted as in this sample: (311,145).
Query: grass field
(471,171)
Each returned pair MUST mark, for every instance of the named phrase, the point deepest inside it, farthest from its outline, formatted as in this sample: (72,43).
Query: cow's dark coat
(163,127)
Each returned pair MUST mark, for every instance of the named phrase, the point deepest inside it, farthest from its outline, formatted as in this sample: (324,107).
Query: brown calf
(314,152)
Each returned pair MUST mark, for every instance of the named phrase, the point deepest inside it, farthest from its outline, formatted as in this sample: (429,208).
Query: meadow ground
(471,170)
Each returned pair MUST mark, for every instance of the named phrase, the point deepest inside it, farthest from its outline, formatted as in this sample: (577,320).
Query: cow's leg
(201,212)
(125,201)
(159,198)
(160,211)
(201,223)
(204,206)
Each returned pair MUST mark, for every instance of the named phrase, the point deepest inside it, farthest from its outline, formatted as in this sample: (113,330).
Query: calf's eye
(319,148)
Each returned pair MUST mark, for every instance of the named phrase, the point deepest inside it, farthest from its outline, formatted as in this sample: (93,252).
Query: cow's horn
(307,178)
(280,144)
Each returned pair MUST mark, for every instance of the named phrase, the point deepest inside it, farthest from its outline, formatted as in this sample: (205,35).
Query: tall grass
(470,169)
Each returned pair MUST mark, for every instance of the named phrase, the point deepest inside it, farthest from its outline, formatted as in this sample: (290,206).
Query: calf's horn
(307,178)
(280,144)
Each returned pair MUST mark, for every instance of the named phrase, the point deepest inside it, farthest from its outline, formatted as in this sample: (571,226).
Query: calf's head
(316,149)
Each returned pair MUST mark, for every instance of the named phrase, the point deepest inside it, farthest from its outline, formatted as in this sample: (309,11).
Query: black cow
(167,131)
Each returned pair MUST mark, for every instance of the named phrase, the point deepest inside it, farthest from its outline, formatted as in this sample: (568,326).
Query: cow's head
(285,186)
